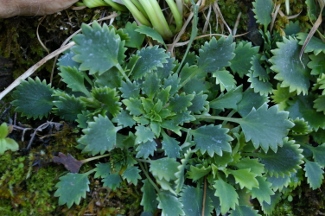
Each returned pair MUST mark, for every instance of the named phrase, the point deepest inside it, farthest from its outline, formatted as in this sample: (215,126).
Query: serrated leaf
(281,94)
(261,87)
(216,54)
(244,52)
(71,188)
(150,32)
(66,60)
(244,211)
(149,197)
(228,100)
(317,64)
(33,98)
(6,143)
(67,106)
(146,149)
(74,79)
(314,174)
(212,139)
(180,174)
(319,104)
(100,136)
(108,99)
(278,183)
(263,192)
(130,90)
(289,68)
(192,200)
(319,154)
(315,45)
(150,85)
(169,204)
(301,127)
(227,195)
(263,11)
(195,173)
(102,170)
(98,48)
(143,134)
(179,103)
(257,70)
(131,174)
(164,168)
(150,59)
(124,119)
(112,181)
(225,80)
(171,146)
(136,39)
(285,161)
(250,100)
(265,127)
(245,178)
(253,164)
(134,105)
(199,103)
(174,82)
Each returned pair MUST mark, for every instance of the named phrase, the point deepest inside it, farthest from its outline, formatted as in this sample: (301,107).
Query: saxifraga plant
(189,133)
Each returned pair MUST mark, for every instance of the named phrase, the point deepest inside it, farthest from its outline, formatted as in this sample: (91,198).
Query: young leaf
(100,136)
(71,188)
(314,174)
(216,54)
(225,80)
(33,98)
(74,79)
(263,11)
(98,49)
(171,146)
(241,63)
(6,143)
(263,192)
(169,204)
(150,59)
(212,139)
(131,174)
(145,149)
(266,128)
(285,161)
(227,195)
(134,105)
(288,66)
(245,178)
(149,197)
(108,99)
(195,173)
(164,168)
(67,106)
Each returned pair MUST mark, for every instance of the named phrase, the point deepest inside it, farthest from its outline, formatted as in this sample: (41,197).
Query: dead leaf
(69,162)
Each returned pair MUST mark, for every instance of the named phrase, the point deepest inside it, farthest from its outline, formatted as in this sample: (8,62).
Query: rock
(9,8)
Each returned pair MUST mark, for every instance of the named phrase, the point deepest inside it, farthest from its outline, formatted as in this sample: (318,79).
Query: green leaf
(261,87)
(134,105)
(319,154)
(66,60)
(171,146)
(74,79)
(131,174)
(148,201)
(253,164)
(71,188)
(124,119)
(317,64)
(100,136)
(229,100)
(227,195)
(319,104)
(192,200)
(315,45)
(180,174)
(150,85)
(150,32)
(199,103)
(216,54)
(136,39)
(67,106)
(301,127)
(33,98)
(265,127)
(179,103)
(6,143)
(102,170)
(146,149)
(314,173)
(278,183)
(285,161)
(263,11)
(244,211)
(263,192)
(250,100)
(143,134)
(288,66)
(108,99)
(112,181)
(195,173)
(225,80)
(257,70)
(212,139)
(244,52)
(130,90)
(164,168)
(150,59)
(245,178)
(98,48)
(169,204)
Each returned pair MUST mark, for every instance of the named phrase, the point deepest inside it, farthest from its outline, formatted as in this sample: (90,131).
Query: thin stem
(236,120)
(118,66)
(93,158)
(148,177)
(204,196)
